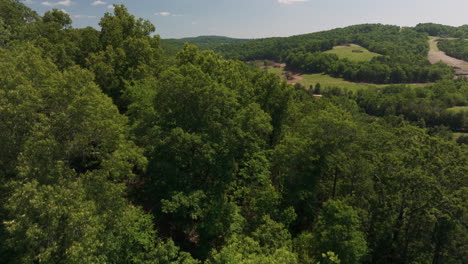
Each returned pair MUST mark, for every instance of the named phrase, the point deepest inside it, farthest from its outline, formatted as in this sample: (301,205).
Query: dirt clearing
(279,69)
(435,55)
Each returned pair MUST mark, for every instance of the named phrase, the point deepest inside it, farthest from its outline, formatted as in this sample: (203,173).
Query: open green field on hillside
(353,53)
(278,71)
(458,135)
(256,64)
(307,80)
(459,109)
(326,80)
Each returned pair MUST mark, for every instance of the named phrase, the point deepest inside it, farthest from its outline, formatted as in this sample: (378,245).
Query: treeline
(425,106)
(379,70)
(279,48)
(172,46)
(442,30)
(455,48)
(272,48)
(404,54)
(123,155)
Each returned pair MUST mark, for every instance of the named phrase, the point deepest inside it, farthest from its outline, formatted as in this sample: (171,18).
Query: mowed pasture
(458,135)
(327,81)
(353,53)
(459,109)
(308,80)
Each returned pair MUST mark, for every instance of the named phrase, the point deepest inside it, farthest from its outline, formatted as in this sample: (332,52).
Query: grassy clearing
(256,64)
(459,109)
(345,52)
(326,80)
(277,71)
(457,135)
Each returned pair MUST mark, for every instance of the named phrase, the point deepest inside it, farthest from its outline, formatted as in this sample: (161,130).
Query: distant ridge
(209,37)
(172,46)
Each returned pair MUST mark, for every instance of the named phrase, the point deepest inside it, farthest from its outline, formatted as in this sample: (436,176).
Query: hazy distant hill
(172,46)
(404,52)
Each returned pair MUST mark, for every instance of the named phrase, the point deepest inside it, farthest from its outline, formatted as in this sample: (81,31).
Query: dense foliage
(172,46)
(426,105)
(439,30)
(455,48)
(113,152)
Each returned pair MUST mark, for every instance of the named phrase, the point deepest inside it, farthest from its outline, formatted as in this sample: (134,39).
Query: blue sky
(262,18)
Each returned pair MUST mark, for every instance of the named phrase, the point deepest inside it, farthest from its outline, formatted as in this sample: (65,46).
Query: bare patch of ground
(279,68)
(435,55)
(293,77)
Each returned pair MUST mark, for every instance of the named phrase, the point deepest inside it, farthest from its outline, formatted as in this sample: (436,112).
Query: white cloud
(63,3)
(65,11)
(165,14)
(288,2)
(162,14)
(95,3)
(84,16)
(110,6)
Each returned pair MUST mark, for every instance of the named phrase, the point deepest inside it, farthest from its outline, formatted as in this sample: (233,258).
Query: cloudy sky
(263,18)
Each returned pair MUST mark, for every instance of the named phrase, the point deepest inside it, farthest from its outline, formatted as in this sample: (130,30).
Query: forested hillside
(112,151)
(456,48)
(404,53)
(172,46)
(439,30)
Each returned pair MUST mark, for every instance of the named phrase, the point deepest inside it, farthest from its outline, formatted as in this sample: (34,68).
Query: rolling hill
(172,46)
